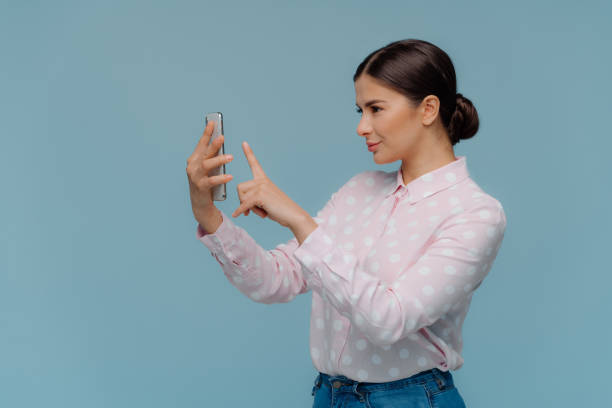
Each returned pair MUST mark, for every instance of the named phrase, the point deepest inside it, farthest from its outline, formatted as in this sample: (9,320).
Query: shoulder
(367,184)
(477,204)
(368,179)
(361,188)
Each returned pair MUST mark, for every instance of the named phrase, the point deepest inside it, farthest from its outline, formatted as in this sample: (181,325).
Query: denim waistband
(340,382)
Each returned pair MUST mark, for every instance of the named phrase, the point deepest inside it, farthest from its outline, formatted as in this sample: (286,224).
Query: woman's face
(393,121)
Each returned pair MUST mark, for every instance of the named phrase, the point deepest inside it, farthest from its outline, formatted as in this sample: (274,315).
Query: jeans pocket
(447,398)
(442,392)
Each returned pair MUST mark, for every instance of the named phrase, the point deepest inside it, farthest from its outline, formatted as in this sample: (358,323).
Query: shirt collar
(431,182)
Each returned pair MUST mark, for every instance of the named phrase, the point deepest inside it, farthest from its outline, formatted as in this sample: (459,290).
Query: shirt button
(337,384)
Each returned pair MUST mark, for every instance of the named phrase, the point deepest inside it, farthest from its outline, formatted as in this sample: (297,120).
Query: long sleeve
(452,266)
(265,276)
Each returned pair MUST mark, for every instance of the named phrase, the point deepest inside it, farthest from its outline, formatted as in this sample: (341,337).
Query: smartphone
(219,192)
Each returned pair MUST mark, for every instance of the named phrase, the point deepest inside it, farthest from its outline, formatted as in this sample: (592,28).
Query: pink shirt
(392,269)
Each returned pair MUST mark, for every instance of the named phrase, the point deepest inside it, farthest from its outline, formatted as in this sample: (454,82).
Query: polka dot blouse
(392,269)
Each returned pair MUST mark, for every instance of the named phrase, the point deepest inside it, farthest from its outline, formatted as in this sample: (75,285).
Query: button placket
(397,198)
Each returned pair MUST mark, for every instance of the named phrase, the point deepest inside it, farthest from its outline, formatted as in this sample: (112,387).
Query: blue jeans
(428,389)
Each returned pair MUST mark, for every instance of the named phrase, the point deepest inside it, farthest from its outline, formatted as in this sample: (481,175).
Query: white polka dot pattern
(392,268)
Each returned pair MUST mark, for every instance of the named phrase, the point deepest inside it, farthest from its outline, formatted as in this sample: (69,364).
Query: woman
(393,258)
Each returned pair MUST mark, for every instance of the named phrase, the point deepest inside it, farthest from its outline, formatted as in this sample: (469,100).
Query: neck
(430,157)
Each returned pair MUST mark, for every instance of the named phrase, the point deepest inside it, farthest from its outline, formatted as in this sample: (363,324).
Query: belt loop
(440,380)
(355,385)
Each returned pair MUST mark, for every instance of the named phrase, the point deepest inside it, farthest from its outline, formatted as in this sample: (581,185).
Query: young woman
(393,258)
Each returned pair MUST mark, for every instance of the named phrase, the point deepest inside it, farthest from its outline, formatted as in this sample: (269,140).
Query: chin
(381,160)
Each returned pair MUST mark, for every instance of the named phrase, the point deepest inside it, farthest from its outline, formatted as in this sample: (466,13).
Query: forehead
(367,88)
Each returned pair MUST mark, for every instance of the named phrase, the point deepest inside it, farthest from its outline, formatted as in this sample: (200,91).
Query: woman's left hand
(264,197)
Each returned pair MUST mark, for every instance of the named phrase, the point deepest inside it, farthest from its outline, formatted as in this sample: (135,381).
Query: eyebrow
(372,102)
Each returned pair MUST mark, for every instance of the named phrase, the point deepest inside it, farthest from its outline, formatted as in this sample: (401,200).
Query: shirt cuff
(219,241)
(201,231)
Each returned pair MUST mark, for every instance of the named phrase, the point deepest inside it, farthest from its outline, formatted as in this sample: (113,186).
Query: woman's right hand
(204,159)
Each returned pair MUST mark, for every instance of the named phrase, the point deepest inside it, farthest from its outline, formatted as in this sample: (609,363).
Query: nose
(363,128)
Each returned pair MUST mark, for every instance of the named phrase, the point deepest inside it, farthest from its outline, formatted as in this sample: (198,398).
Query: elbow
(270,292)
(258,296)
(383,337)
(395,329)
(387,335)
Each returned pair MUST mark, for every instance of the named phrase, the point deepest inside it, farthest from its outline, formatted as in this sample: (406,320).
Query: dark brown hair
(417,68)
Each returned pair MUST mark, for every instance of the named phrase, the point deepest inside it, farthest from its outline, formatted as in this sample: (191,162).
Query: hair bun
(458,97)
(464,122)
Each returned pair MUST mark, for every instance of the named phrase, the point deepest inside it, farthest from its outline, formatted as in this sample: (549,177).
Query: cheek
(395,133)
(407,131)
(395,124)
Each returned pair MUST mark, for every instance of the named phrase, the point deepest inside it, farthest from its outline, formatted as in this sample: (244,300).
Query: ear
(430,106)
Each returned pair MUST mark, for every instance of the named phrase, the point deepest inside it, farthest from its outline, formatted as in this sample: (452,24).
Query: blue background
(107,299)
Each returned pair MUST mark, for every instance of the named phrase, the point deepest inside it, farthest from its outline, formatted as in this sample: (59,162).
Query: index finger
(256,168)
(205,139)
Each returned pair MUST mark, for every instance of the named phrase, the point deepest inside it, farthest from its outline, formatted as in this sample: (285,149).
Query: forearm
(210,220)
(264,276)
(303,227)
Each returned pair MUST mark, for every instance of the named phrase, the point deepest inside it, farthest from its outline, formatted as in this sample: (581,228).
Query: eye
(373,107)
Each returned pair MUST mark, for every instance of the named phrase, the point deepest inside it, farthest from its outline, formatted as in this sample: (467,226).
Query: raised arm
(265,276)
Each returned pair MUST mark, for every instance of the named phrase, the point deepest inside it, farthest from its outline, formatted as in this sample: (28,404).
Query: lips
(372,143)
(373,147)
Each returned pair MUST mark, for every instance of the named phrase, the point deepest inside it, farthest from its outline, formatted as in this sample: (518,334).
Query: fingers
(256,168)
(202,145)
(199,170)
(205,148)
(220,179)
(261,212)
(213,148)
(214,162)
(201,149)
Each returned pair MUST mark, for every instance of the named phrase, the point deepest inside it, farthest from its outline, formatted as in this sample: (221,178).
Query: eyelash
(358,110)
